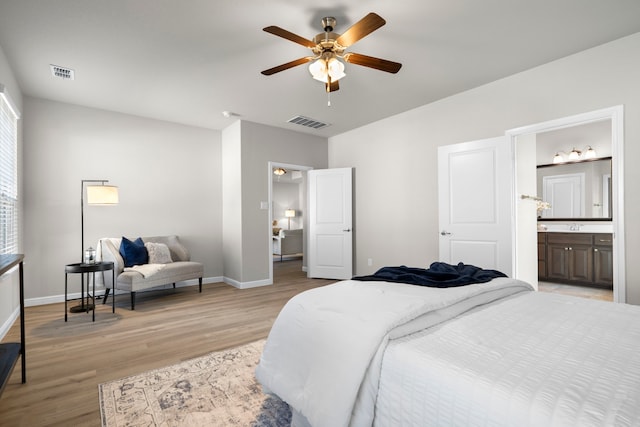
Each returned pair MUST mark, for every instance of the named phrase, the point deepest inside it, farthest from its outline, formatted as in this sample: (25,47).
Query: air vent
(306,121)
(62,72)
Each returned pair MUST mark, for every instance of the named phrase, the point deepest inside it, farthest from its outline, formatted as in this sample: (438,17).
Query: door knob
(347,230)
(445,233)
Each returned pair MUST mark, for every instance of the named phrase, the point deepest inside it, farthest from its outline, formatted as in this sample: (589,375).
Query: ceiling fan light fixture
(318,70)
(322,69)
(335,69)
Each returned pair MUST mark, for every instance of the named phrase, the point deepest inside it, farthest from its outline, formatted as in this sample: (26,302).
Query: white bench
(182,268)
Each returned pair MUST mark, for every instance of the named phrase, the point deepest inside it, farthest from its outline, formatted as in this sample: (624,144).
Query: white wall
(9,290)
(168,175)
(395,159)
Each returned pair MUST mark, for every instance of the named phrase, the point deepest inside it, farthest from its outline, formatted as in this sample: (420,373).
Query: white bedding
(533,360)
(322,356)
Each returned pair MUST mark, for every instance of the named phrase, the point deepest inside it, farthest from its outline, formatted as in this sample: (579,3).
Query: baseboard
(247,285)
(100,292)
(4,329)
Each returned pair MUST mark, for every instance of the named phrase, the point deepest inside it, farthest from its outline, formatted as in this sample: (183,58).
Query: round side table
(86,269)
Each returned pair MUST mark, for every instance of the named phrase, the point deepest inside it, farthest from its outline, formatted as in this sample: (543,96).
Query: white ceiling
(186,61)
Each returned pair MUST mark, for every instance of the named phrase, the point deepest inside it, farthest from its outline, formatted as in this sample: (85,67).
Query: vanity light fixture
(574,155)
(590,153)
(558,158)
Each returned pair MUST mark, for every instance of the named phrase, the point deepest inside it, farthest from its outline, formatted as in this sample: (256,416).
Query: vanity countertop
(575,227)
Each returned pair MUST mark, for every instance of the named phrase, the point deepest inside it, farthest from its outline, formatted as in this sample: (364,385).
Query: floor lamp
(105,195)
(102,195)
(289,213)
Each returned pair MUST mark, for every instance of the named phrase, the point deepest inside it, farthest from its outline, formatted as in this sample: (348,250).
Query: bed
(378,353)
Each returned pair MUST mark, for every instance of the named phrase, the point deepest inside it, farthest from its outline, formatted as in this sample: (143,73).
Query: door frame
(304,169)
(616,115)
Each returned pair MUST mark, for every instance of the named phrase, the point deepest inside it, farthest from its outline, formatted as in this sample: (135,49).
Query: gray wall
(258,144)
(168,174)
(396,158)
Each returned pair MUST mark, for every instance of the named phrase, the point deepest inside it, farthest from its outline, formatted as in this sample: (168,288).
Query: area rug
(218,389)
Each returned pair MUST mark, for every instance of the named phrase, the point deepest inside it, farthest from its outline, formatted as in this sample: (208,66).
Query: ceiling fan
(328,47)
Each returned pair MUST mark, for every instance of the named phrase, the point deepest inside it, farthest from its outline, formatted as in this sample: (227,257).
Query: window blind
(8,175)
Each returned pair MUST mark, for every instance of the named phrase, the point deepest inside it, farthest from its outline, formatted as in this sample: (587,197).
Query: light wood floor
(66,362)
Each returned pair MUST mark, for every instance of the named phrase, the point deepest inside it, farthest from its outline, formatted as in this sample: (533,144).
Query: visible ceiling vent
(306,121)
(62,72)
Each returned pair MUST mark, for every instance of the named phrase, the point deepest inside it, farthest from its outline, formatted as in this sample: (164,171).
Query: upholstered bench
(160,271)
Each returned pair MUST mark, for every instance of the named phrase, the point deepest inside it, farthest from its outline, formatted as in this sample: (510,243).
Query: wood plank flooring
(67,361)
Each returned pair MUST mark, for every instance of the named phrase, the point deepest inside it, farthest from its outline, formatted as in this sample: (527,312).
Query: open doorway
(578,261)
(574,182)
(287,219)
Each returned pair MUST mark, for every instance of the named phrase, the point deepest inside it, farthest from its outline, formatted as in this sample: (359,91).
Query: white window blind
(8,175)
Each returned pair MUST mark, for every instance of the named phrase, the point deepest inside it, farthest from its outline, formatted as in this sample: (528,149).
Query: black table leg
(65,297)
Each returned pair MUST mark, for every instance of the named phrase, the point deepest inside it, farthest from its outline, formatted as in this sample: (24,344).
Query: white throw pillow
(158,253)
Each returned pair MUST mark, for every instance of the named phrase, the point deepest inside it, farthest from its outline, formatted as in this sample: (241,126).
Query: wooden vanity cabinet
(542,255)
(603,259)
(579,258)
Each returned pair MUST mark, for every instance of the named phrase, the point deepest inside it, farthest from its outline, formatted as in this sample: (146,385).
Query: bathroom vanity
(580,258)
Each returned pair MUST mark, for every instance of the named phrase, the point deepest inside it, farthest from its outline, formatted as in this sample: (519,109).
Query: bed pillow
(133,252)
(158,253)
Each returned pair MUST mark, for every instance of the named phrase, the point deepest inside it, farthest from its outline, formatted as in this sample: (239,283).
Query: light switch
(264,205)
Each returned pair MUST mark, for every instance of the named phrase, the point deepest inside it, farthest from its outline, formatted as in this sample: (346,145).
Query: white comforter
(322,355)
(534,360)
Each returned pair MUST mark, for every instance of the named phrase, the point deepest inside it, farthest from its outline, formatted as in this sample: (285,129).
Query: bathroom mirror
(576,190)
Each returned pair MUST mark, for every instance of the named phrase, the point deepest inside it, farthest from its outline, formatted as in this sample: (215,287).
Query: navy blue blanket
(439,275)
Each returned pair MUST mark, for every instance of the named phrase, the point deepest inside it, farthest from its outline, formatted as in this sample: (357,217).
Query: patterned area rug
(219,389)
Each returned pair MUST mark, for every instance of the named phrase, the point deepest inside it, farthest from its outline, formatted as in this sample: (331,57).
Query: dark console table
(9,352)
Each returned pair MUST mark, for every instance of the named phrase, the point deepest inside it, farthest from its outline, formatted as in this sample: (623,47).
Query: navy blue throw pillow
(134,253)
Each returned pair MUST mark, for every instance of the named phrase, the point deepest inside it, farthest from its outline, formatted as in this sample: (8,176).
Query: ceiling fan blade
(332,87)
(371,62)
(361,29)
(280,32)
(288,65)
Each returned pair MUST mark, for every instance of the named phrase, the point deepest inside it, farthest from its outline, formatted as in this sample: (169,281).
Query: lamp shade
(290,213)
(102,195)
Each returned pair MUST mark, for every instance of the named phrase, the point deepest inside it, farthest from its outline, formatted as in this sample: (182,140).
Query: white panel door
(475,182)
(330,224)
